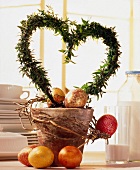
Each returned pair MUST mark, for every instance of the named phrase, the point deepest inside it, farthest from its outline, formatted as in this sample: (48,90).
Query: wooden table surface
(15,165)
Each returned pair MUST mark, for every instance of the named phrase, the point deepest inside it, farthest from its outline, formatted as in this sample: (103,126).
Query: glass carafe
(129,94)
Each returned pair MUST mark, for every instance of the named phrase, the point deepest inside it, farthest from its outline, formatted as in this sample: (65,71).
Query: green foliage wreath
(73,35)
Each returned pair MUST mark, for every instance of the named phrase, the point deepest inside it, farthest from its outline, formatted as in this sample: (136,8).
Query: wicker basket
(59,127)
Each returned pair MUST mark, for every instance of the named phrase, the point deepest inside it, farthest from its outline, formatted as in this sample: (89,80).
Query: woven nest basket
(59,127)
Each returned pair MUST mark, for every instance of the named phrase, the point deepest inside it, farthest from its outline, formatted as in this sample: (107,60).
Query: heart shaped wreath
(73,35)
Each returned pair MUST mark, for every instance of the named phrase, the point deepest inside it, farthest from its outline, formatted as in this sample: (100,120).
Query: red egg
(70,157)
(23,154)
(107,124)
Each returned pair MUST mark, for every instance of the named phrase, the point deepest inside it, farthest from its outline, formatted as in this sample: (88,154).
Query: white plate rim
(9,111)
(9,154)
(12,100)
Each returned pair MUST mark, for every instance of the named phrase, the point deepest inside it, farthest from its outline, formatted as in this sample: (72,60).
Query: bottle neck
(133,77)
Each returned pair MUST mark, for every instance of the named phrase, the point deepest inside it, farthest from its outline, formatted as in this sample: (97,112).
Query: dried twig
(44,120)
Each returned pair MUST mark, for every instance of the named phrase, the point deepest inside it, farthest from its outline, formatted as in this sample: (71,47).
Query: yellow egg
(58,95)
(41,157)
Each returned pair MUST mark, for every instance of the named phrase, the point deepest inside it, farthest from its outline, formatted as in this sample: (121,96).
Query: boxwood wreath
(73,35)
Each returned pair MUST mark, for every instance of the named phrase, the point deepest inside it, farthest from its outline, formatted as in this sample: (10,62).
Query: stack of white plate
(31,137)
(10,120)
(11,144)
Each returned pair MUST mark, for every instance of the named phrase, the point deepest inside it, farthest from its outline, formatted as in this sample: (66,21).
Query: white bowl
(12,142)
(10,91)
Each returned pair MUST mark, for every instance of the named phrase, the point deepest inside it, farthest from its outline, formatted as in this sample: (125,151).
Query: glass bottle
(129,95)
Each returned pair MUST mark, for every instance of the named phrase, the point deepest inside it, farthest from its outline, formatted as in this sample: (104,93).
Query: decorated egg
(76,98)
